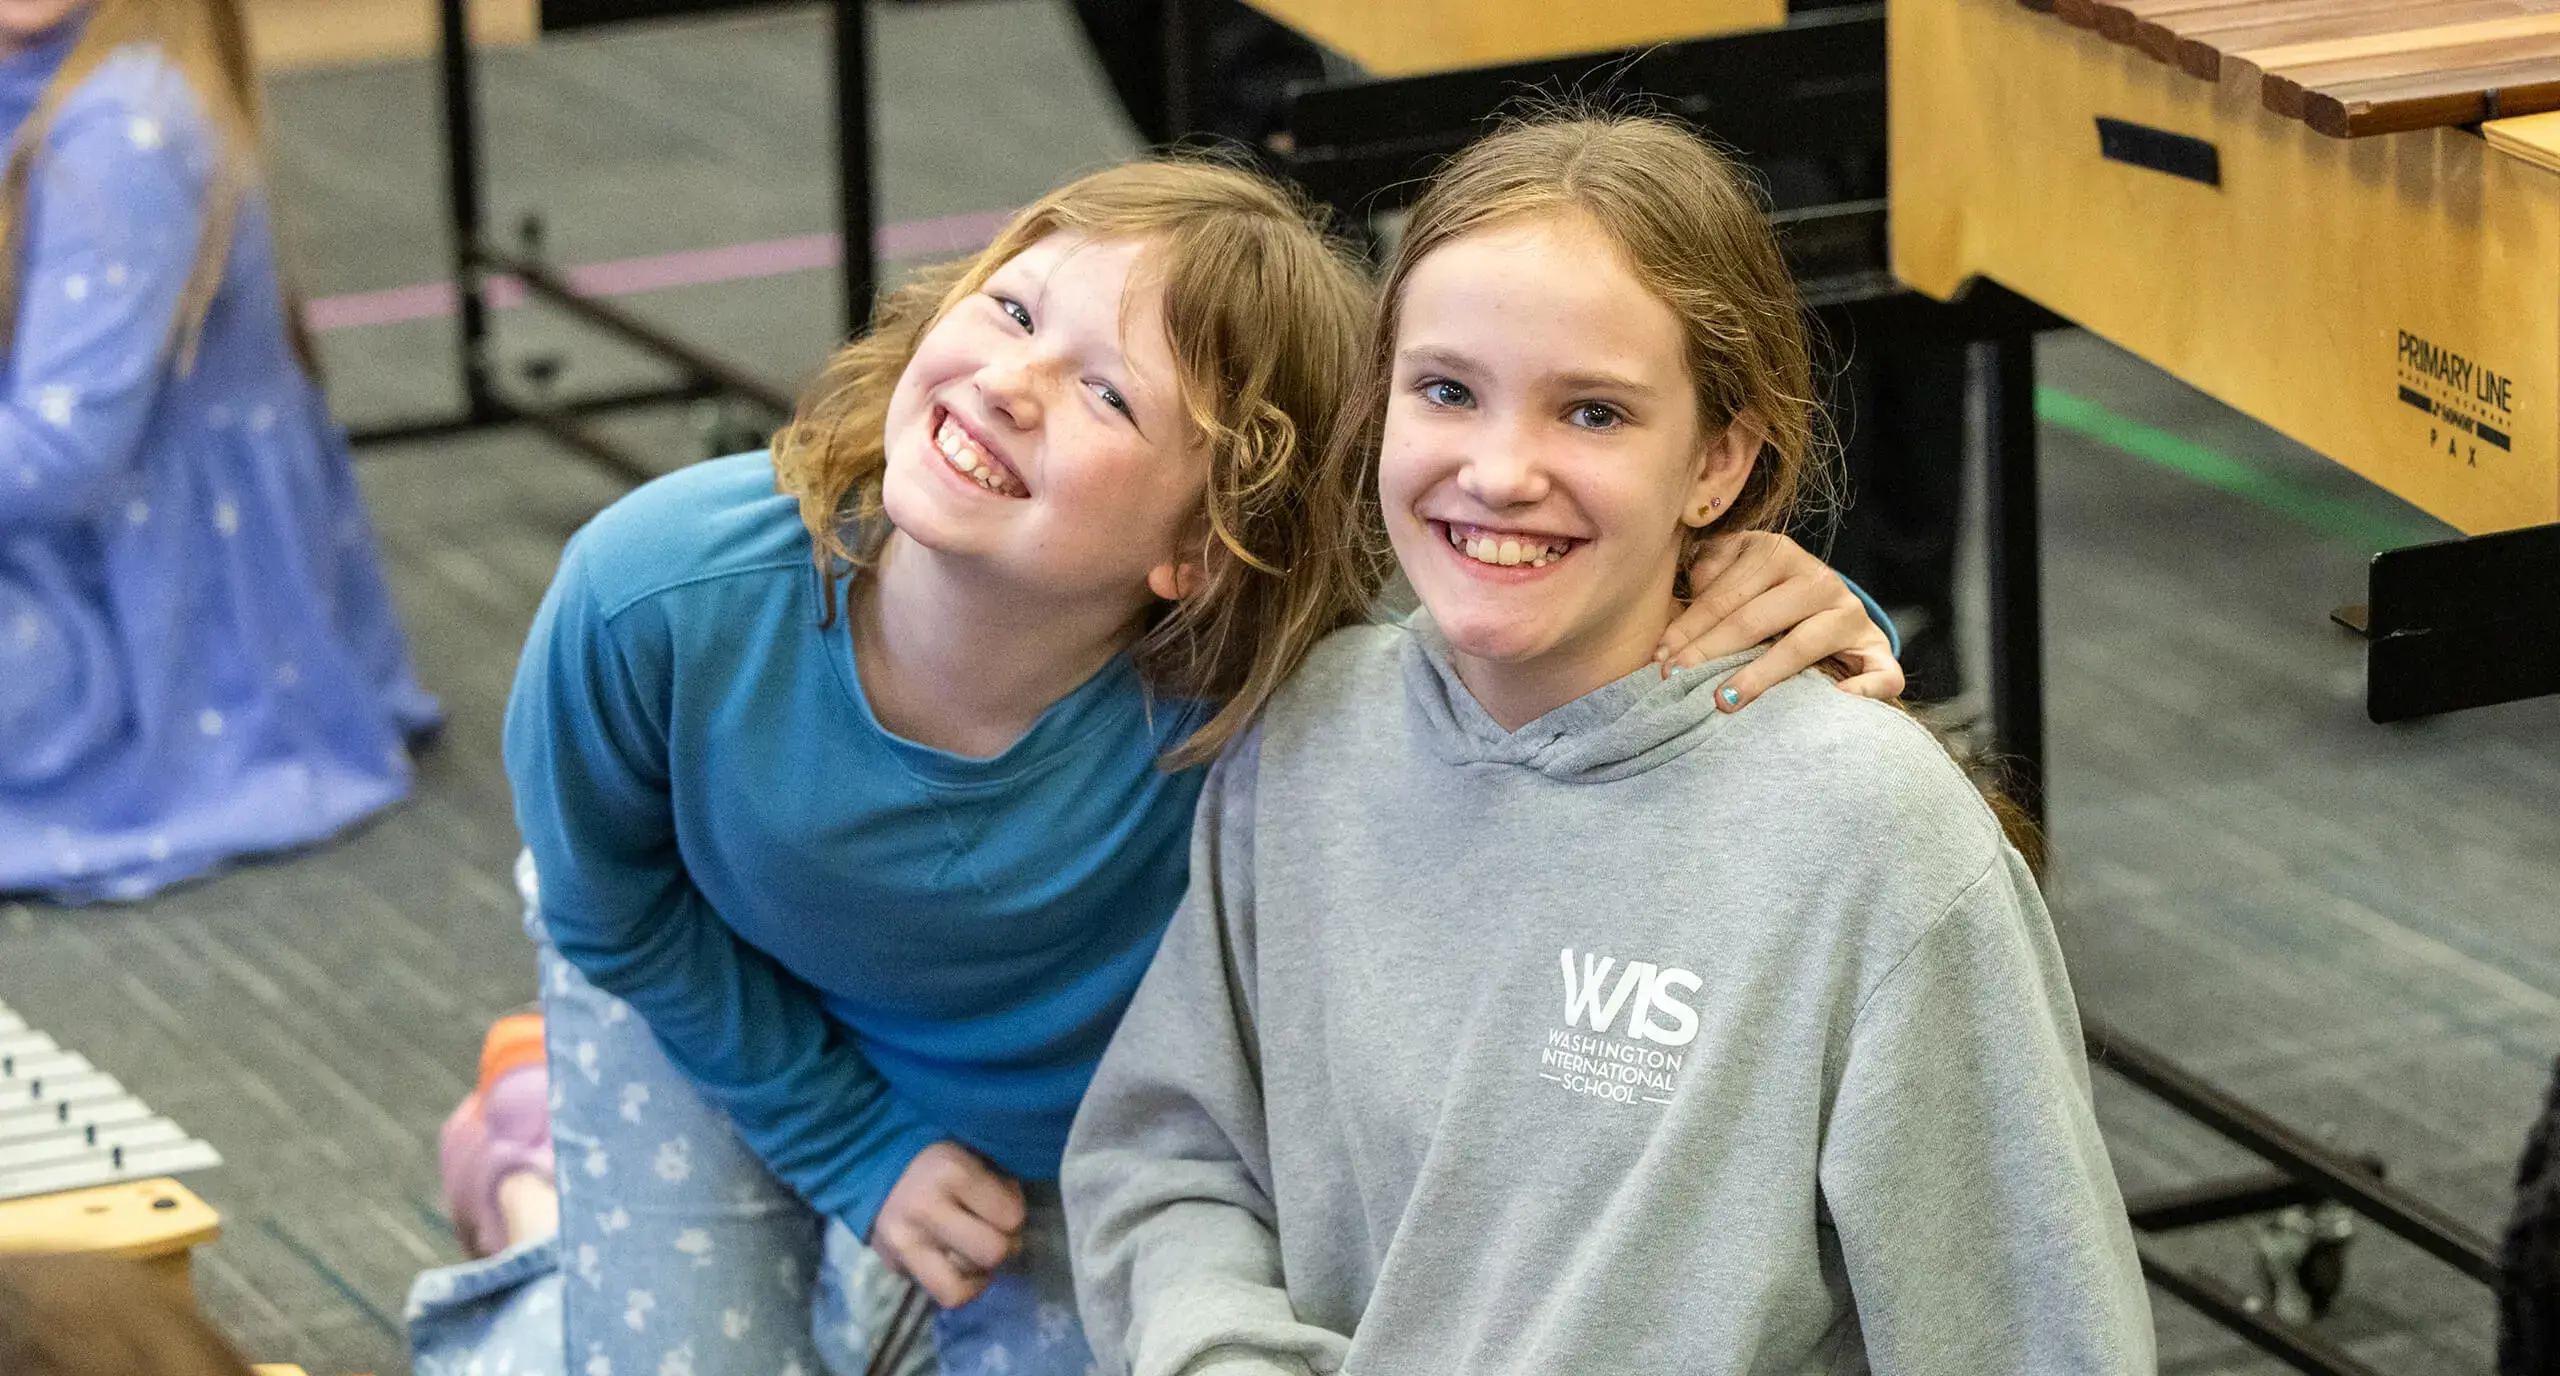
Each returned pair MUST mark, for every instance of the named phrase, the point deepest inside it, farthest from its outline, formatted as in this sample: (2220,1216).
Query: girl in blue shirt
(863,774)
(198,658)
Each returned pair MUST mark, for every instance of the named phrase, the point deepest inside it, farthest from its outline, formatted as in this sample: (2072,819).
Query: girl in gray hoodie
(1526,1013)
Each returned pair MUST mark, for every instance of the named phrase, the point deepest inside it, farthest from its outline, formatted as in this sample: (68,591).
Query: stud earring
(1712,504)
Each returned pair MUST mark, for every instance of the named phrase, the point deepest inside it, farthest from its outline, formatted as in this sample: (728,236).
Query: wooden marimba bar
(2352,68)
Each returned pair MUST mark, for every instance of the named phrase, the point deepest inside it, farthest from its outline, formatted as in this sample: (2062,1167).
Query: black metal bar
(853,162)
(2017,591)
(542,281)
(596,450)
(463,204)
(2296,1347)
(601,403)
(2333,1174)
(2220,1201)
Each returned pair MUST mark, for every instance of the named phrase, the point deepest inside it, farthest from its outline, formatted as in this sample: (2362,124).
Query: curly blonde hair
(1265,314)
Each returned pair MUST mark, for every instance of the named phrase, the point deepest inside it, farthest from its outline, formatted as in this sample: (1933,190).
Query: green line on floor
(2329,515)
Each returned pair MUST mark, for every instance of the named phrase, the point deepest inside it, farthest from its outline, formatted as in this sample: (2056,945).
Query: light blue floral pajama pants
(679,1254)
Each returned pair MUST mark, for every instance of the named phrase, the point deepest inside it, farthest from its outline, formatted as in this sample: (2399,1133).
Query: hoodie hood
(1637,723)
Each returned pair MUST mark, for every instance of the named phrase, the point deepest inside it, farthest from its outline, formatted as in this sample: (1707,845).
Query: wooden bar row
(2350,68)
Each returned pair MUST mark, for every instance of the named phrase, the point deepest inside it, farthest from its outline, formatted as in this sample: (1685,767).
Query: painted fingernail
(1730,695)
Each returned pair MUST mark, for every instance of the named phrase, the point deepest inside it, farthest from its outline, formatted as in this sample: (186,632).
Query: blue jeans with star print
(679,1254)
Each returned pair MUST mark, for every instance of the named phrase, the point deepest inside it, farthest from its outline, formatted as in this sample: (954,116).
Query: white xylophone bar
(66,1125)
(102,1114)
(102,1168)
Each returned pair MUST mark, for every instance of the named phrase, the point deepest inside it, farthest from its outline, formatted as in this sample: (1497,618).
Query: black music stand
(476,258)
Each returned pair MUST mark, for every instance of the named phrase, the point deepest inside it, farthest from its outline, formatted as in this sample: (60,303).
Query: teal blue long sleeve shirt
(853,944)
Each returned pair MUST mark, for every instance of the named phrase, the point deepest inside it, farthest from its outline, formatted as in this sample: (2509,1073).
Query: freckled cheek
(1083,472)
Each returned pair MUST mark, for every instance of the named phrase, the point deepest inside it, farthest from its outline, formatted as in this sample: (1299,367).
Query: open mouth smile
(1506,549)
(969,458)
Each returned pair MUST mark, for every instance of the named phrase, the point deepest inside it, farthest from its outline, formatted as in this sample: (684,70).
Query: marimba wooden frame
(1816,88)
(2391,302)
(477,259)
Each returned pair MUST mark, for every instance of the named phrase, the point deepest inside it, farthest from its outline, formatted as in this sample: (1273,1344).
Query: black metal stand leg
(463,204)
(700,374)
(853,160)
(2334,1174)
(2017,586)
(2296,1347)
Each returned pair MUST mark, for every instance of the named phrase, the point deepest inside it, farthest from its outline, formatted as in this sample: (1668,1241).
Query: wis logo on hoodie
(1620,1061)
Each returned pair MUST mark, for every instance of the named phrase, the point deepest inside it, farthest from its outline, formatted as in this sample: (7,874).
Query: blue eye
(1598,415)
(1440,391)
(1111,397)
(1021,313)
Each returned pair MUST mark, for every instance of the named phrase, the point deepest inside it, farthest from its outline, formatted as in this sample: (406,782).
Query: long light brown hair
(1691,228)
(206,43)
(1264,313)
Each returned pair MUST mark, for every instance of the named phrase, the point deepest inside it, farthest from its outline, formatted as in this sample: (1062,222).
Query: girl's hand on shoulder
(949,1222)
(1754,586)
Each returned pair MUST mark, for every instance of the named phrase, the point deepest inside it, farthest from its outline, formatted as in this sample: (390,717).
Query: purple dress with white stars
(198,656)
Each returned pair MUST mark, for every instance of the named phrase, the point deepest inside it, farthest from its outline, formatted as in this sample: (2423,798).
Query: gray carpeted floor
(2353,925)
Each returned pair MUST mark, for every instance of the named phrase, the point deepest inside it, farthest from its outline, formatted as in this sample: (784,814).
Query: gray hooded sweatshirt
(1641,1039)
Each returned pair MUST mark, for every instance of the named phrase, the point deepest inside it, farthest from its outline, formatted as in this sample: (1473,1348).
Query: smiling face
(1540,452)
(1039,430)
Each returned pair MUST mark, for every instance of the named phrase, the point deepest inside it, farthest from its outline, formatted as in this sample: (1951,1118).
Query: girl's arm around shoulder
(1168,1172)
(114,212)
(1977,1213)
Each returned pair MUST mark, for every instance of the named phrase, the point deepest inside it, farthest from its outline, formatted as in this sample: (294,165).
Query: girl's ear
(1173,582)
(1724,465)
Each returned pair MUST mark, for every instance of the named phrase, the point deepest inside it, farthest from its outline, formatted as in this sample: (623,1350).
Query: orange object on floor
(513,1041)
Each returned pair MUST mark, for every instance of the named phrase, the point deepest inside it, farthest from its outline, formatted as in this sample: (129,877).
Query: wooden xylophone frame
(1816,89)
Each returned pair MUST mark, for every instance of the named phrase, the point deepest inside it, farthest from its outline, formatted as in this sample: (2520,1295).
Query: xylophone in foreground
(67,1125)
(83,1163)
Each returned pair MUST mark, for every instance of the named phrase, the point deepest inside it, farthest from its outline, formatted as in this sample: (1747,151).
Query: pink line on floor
(940,237)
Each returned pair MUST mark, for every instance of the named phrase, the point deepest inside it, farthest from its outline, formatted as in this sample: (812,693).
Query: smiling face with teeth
(1037,434)
(1540,451)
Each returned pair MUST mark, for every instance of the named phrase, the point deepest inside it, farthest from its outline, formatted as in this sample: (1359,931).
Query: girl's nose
(1503,470)
(1011,389)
